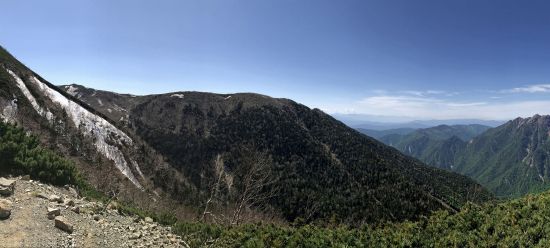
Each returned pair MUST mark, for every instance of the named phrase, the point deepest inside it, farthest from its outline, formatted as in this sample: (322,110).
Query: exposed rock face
(63,224)
(6,186)
(5,209)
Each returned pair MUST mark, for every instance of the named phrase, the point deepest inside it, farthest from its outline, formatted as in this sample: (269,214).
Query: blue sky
(411,59)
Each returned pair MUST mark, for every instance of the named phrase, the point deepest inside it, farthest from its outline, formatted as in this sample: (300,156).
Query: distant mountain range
(385,123)
(510,160)
(377,134)
(437,145)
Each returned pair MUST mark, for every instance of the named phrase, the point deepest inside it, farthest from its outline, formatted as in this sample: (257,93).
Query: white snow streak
(177,95)
(103,132)
(30,97)
(100,129)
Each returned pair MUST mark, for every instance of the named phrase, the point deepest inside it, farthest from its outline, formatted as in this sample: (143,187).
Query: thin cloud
(536,88)
(440,108)
(428,93)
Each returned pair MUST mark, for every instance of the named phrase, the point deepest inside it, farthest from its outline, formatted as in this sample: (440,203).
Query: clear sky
(417,59)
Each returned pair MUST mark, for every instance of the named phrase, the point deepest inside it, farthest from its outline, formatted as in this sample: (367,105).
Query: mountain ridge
(320,168)
(168,98)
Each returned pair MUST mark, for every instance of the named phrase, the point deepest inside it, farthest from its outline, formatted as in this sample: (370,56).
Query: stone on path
(5,209)
(6,186)
(63,224)
(53,212)
(55,198)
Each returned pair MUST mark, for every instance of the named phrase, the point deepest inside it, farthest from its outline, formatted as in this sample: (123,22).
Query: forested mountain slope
(242,153)
(436,146)
(325,169)
(512,159)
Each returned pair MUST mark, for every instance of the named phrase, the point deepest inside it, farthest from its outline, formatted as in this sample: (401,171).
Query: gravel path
(29,226)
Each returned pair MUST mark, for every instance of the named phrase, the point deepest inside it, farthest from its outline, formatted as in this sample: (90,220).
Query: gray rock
(136,235)
(148,220)
(5,209)
(6,186)
(55,198)
(53,212)
(26,177)
(63,224)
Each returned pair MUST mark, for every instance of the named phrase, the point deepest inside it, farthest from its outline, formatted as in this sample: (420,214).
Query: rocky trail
(33,214)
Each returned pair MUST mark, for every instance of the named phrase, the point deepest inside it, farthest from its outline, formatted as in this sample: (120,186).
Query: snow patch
(227,98)
(109,110)
(177,95)
(71,90)
(104,133)
(100,102)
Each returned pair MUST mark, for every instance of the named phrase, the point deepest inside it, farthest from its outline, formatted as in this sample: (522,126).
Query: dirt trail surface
(29,225)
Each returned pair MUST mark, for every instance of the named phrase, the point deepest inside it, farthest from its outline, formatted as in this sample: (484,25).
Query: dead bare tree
(219,170)
(257,185)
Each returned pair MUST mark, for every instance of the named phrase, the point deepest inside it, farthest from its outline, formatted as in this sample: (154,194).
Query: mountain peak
(538,120)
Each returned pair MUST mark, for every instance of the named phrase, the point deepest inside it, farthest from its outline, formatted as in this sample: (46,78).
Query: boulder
(6,186)
(26,177)
(53,212)
(5,209)
(148,220)
(55,198)
(63,224)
